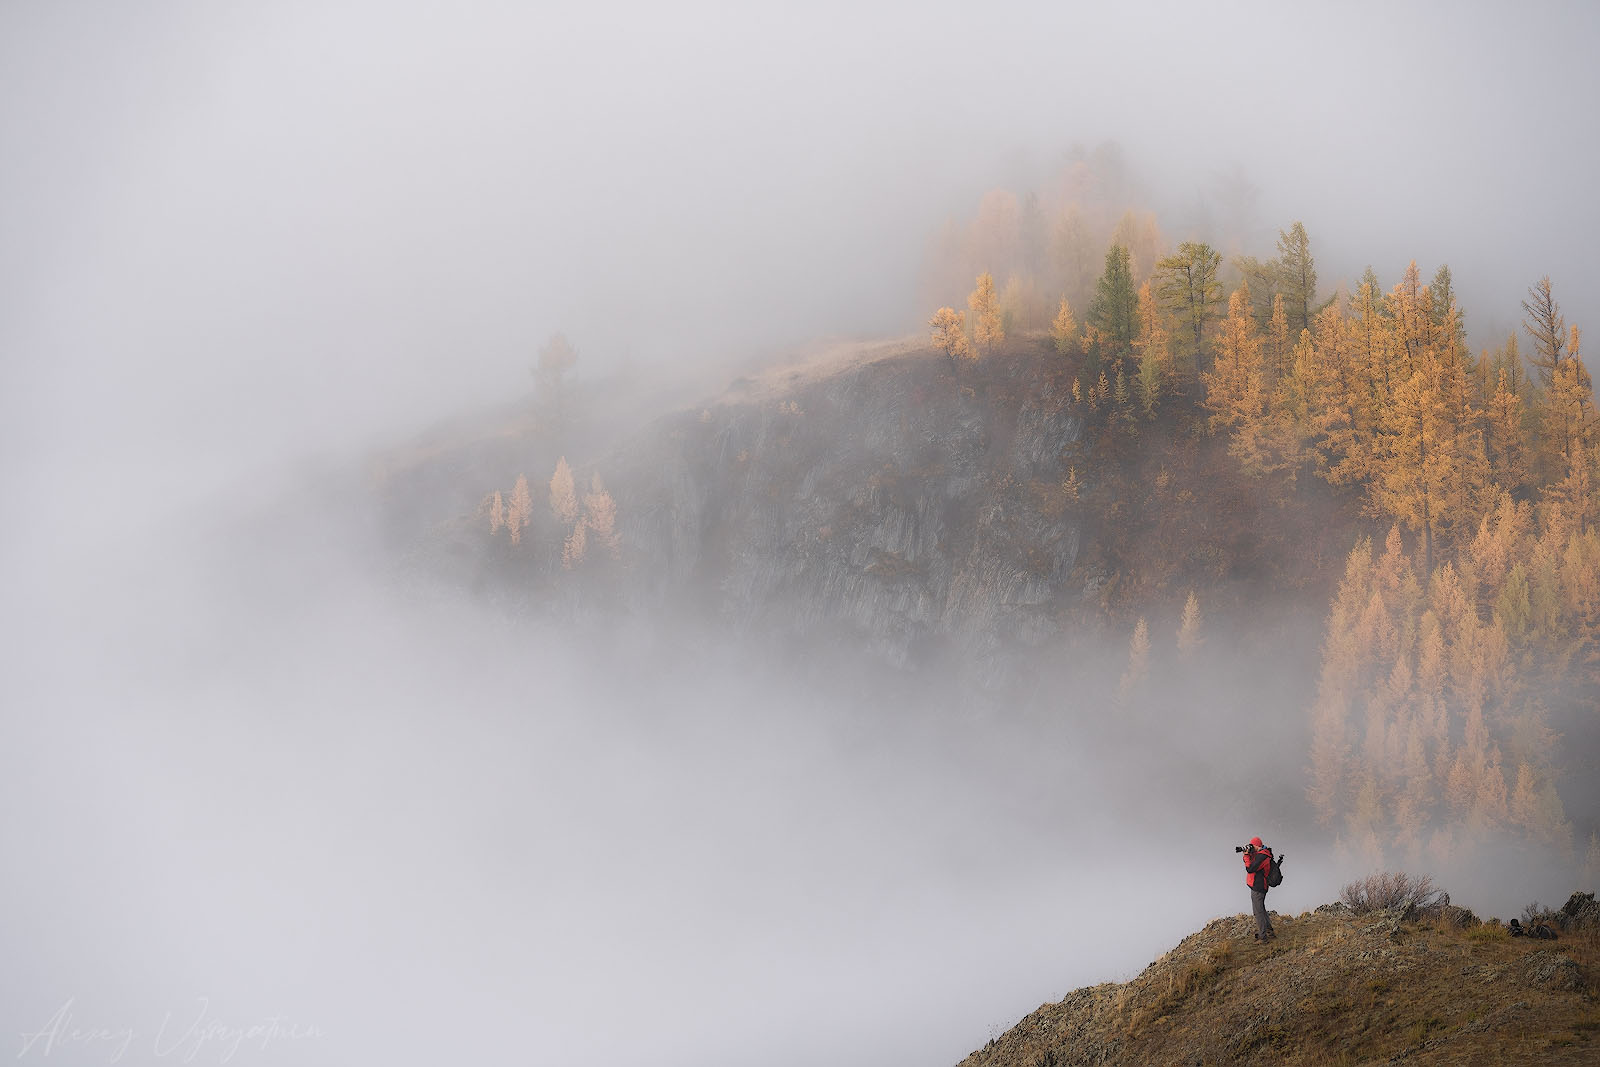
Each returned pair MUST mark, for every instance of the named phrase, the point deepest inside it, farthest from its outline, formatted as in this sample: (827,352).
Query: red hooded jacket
(1257,865)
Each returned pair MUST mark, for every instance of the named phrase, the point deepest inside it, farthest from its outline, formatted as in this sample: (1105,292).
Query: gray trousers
(1258,904)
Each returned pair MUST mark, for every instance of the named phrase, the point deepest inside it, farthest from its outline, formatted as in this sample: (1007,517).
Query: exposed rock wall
(899,504)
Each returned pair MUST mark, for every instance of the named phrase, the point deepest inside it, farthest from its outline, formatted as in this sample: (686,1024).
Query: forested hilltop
(1216,467)
(1459,672)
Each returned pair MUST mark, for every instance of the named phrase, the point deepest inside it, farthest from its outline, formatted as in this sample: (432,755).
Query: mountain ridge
(1334,987)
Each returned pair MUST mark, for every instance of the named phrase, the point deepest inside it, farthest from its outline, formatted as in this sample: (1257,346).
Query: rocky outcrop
(899,504)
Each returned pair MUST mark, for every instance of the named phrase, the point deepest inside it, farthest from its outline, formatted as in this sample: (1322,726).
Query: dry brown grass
(1336,987)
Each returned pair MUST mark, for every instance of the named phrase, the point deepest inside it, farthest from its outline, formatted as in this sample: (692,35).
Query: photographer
(1257,868)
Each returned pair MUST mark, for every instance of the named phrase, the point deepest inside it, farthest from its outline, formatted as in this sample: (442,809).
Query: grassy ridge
(1334,988)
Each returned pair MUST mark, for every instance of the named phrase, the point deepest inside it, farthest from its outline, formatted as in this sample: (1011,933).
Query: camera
(1238,848)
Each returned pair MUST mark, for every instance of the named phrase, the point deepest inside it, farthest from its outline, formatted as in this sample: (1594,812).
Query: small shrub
(1393,889)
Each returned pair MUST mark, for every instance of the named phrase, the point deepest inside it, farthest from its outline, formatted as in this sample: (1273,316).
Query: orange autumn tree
(1236,389)
(563,495)
(987,327)
(1064,330)
(520,511)
(1154,377)
(949,333)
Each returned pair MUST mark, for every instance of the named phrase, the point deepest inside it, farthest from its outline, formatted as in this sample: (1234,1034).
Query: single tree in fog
(563,494)
(950,333)
(1544,322)
(987,327)
(521,509)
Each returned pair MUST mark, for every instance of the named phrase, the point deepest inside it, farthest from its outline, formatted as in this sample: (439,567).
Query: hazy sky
(289,223)
(233,235)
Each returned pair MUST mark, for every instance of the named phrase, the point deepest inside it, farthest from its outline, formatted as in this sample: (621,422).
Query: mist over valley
(739,535)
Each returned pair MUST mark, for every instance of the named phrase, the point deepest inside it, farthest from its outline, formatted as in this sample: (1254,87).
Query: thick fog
(250,780)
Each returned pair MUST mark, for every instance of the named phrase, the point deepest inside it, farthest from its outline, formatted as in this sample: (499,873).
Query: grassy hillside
(1334,988)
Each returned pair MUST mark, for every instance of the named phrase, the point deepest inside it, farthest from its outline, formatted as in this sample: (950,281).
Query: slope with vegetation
(1461,671)
(1419,981)
(1105,436)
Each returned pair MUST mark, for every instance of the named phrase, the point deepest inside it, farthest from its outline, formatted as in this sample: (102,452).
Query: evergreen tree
(1448,322)
(1187,286)
(1115,310)
(1260,278)
(1370,280)
(1297,277)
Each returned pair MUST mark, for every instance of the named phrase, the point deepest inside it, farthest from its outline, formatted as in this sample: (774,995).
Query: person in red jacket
(1257,865)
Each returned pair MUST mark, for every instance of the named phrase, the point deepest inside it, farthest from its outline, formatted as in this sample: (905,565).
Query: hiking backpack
(1275,873)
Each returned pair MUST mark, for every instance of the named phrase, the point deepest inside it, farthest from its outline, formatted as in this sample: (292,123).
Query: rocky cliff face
(884,498)
(901,503)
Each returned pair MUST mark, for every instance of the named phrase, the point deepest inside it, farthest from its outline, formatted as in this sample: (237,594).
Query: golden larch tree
(1417,459)
(1236,393)
(1154,355)
(987,327)
(600,516)
(1567,441)
(521,509)
(1138,661)
(497,513)
(1507,453)
(950,333)
(563,494)
(1277,338)
(1064,330)
(1189,636)
(573,548)
(1548,328)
